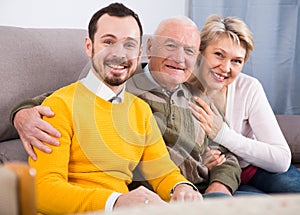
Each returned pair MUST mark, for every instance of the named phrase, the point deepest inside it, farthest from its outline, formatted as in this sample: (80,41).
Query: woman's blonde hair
(216,26)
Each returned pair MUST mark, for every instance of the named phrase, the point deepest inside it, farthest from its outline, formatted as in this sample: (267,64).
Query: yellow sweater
(101,144)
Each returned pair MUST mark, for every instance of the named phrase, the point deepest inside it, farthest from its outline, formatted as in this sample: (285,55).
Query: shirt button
(173,117)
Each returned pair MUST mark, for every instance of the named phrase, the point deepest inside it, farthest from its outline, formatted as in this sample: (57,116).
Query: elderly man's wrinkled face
(172,54)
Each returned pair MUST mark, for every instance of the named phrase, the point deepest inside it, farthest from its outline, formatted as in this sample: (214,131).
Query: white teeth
(219,76)
(116,66)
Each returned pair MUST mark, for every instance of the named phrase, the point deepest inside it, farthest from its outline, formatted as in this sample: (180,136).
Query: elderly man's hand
(185,192)
(217,187)
(33,130)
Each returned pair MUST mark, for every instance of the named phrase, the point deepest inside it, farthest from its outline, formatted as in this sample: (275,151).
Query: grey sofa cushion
(12,150)
(290,126)
(34,61)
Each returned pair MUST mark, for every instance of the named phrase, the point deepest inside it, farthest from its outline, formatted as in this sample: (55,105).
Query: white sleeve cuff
(219,137)
(110,202)
(184,182)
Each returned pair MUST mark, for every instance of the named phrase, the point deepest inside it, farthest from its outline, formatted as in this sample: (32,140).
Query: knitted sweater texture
(101,144)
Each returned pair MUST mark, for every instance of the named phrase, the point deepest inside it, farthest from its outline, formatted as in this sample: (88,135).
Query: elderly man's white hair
(184,20)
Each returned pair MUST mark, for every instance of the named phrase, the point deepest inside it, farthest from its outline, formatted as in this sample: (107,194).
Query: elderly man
(172,52)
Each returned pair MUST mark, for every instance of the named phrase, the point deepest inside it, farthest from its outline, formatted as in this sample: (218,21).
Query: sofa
(34,61)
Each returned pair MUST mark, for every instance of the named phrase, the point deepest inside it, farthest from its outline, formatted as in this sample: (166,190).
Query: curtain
(275,61)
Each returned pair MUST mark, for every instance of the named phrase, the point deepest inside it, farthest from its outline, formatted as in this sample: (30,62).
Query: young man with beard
(99,146)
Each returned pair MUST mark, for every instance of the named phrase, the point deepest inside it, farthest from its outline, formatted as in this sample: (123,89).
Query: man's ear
(149,47)
(88,47)
(140,54)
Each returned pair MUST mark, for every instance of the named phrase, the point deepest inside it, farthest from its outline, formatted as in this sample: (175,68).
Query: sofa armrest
(290,126)
(17,189)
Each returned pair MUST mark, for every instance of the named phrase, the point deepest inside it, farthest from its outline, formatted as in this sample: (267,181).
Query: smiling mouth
(117,66)
(174,67)
(219,77)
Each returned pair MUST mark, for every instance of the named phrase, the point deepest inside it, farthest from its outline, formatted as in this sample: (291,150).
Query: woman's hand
(213,157)
(208,115)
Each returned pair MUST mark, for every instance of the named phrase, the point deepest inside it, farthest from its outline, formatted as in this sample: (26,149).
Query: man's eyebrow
(108,35)
(177,41)
(127,38)
(135,39)
(168,39)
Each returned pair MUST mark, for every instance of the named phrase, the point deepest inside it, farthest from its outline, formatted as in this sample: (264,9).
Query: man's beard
(115,80)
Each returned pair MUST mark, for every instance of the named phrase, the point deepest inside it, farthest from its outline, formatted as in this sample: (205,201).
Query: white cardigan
(254,134)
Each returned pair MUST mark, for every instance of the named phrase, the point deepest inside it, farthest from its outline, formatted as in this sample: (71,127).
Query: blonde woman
(252,132)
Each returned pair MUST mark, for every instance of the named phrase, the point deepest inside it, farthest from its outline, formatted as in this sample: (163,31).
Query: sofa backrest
(34,61)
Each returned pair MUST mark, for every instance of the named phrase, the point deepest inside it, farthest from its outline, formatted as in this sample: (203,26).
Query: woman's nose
(226,66)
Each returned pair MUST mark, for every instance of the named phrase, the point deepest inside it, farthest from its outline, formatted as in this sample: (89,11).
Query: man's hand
(185,192)
(213,157)
(33,130)
(217,187)
(139,196)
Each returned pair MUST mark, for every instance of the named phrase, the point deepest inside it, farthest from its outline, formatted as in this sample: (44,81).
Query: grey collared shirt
(180,97)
